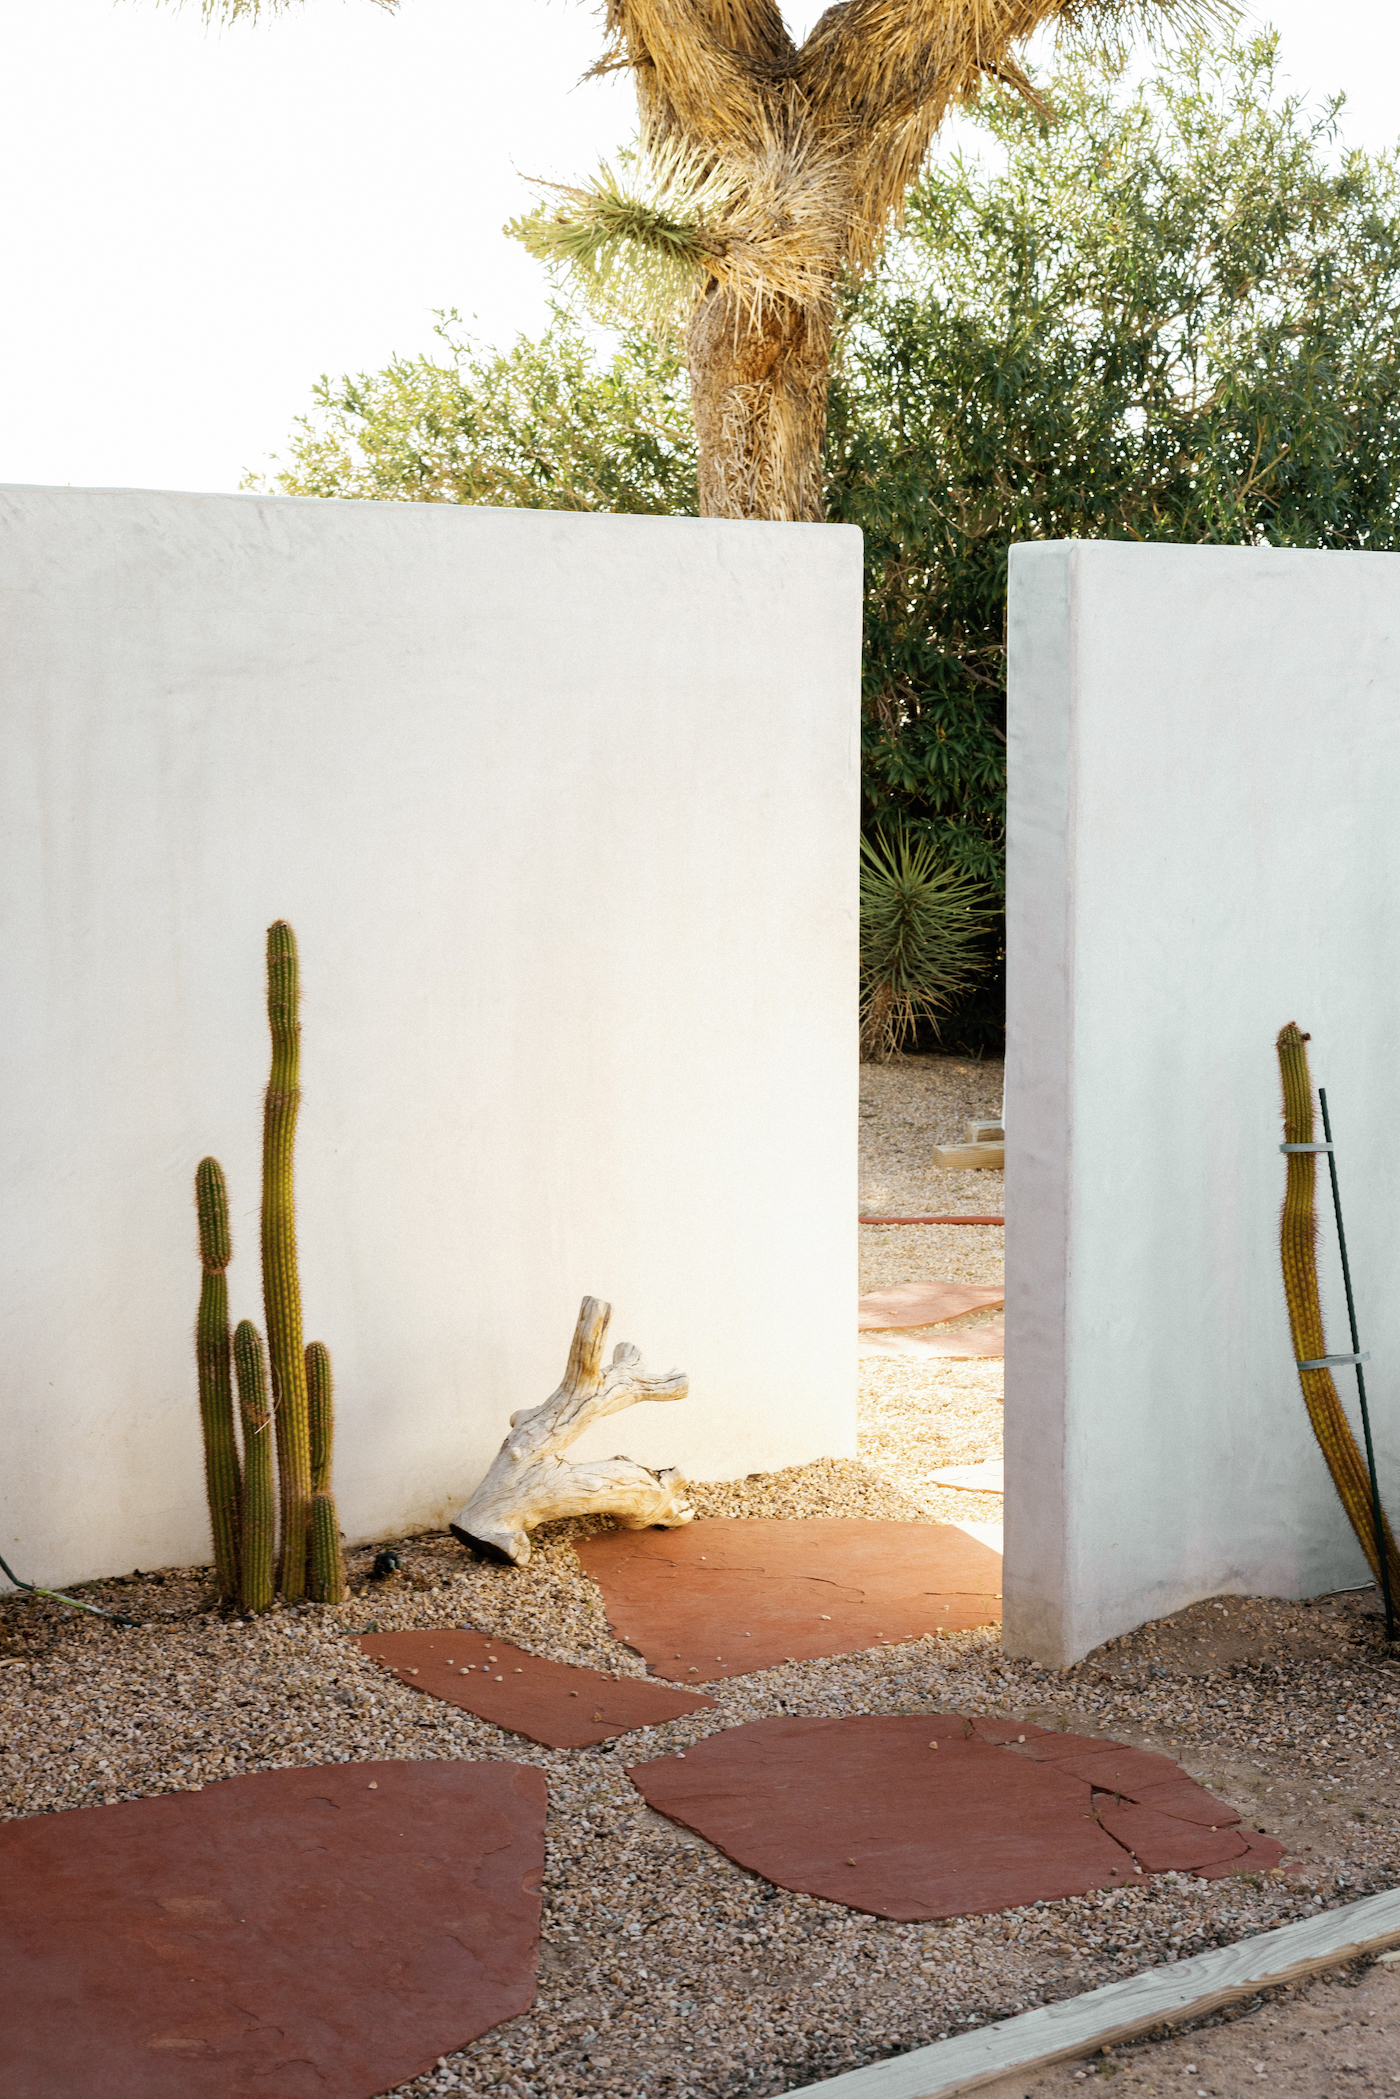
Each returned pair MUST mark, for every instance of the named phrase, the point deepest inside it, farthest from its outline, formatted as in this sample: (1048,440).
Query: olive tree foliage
(1169,314)
(546,425)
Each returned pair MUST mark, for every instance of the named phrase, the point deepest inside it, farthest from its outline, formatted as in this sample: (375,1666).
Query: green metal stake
(1381,1554)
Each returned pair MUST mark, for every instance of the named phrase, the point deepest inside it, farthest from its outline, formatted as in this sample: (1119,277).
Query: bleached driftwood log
(530,1483)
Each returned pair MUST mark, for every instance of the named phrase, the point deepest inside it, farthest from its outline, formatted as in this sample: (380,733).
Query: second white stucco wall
(563,811)
(1204,843)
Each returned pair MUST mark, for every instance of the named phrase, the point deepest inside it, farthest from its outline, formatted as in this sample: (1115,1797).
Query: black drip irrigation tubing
(71,1601)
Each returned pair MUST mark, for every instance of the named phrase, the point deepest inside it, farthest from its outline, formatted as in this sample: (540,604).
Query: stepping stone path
(925,1304)
(729,1595)
(551,1702)
(967,1343)
(935,1815)
(326,1932)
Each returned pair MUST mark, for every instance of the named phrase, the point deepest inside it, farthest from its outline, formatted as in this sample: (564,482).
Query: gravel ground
(918,1417)
(664,1969)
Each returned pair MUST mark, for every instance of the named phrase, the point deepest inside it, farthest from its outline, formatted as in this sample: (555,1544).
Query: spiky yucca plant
(921,932)
(771,170)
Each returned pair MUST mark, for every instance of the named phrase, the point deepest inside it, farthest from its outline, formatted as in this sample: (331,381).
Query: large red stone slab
(550,1702)
(729,1595)
(1161,1844)
(924,1304)
(931,1815)
(325,1932)
(862,1811)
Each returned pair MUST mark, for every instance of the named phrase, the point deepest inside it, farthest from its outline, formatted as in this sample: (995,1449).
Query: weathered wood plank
(1119,2011)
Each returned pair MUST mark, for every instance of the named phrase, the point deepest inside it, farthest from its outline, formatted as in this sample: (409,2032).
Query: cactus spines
(221,1470)
(259,1495)
(1297,1240)
(281,1284)
(320,1413)
(327,1560)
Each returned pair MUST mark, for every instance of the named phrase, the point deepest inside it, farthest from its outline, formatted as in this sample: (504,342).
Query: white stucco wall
(1204,843)
(563,810)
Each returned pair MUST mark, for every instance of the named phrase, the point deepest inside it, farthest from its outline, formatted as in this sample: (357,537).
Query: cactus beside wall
(221,1469)
(296,1415)
(259,1540)
(1298,1246)
(281,1281)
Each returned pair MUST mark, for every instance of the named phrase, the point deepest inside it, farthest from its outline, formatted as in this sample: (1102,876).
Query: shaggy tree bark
(529,1482)
(819,145)
(758,395)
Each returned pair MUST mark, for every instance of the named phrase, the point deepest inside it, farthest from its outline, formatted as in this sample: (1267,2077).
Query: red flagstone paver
(928,1815)
(924,1304)
(550,1702)
(322,1933)
(1161,1844)
(1261,1855)
(728,1595)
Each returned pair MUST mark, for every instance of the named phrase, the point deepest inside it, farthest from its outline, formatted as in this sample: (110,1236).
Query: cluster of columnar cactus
(294,1413)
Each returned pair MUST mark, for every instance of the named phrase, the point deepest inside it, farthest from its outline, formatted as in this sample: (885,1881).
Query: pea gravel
(663,1968)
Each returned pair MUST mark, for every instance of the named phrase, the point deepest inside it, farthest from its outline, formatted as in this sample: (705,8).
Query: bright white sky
(199,223)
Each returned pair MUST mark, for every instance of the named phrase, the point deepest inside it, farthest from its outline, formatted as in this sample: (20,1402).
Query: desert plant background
(1169,312)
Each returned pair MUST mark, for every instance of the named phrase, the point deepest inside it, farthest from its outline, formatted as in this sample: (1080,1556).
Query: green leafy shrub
(546,425)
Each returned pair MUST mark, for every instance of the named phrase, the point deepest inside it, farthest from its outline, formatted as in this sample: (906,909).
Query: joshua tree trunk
(758,393)
(788,165)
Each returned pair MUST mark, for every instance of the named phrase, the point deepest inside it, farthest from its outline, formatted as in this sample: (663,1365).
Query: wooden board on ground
(1120,2011)
(986,1478)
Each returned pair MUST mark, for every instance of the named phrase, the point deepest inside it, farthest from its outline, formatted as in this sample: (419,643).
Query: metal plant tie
(1381,1554)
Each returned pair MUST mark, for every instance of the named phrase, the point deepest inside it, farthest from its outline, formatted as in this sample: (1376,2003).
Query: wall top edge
(583,520)
(1139,553)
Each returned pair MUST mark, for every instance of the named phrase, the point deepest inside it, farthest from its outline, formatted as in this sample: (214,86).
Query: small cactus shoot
(259,1540)
(320,1390)
(281,1283)
(221,1469)
(327,1561)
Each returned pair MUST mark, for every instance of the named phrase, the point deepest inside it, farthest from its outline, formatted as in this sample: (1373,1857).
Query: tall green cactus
(259,1540)
(281,1283)
(1298,1246)
(221,1471)
(327,1561)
